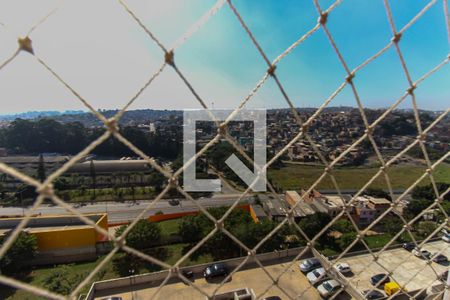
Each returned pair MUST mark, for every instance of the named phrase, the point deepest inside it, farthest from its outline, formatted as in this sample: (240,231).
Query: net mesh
(45,189)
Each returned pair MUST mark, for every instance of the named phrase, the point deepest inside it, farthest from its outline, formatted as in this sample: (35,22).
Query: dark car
(440,259)
(373,295)
(272,298)
(215,270)
(409,246)
(174,202)
(379,280)
(188,274)
(309,264)
(443,276)
(112,298)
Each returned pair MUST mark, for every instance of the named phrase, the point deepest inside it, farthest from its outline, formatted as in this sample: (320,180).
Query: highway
(127,211)
(122,212)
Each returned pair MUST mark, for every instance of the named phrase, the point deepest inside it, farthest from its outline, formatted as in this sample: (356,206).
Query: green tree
(143,235)
(391,225)
(346,239)
(378,193)
(416,206)
(314,223)
(157,180)
(93,175)
(252,233)
(446,206)
(61,183)
(190,229)
(426,228)
(21,251)
(62,280)
(427,191)
(343,226)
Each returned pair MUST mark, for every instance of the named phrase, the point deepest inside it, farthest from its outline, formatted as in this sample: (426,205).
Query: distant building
(363,213)
(380,205)
(111,166)
(275,209)
(152,128)
(331,204)
(302,209)
(25,163)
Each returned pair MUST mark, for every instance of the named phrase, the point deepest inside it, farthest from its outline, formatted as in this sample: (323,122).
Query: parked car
(379,280)
(272,298)
(443,276)
(343,268)
(309,264)
(373,294)
(328,288)
(317,275)
(440,259)
(215,270)
(424,254)
(112,298)
(409,246)
(446,238)
(188,274)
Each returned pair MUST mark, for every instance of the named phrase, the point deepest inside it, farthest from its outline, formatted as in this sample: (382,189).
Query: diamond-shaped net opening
(353,232)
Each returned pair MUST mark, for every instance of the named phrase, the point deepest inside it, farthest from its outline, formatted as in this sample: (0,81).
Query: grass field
(169,227)
(37,276)
(294,177)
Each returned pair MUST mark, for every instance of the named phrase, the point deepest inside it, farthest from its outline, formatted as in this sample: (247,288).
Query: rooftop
(379,201)
(49,223)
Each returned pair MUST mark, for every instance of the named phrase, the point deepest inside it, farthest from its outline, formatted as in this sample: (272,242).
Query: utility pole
(21,204)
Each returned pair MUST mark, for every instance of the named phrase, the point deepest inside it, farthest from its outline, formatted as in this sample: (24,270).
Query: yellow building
(63,238)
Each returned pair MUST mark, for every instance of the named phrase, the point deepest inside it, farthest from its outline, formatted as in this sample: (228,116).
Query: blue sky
(99,50)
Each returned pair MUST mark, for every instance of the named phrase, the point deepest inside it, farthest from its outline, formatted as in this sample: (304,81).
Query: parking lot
(412,269)
(405,267)
(293,282)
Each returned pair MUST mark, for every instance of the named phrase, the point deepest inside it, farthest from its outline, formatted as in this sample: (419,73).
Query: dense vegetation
(47,135)
(21,251)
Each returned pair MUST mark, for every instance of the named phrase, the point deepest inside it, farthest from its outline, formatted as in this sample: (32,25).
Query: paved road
(121,212)
(118,212)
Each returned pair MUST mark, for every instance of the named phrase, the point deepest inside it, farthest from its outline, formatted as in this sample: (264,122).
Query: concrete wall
(47,221)
(110,287)
(65,256)
(66,238)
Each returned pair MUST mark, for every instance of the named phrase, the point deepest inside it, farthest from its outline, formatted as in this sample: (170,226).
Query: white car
(317,275)
(343,268)
(328,288)
(446,238)
(424,254)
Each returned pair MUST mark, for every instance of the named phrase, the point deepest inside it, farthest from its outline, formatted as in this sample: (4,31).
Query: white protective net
(45,189)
